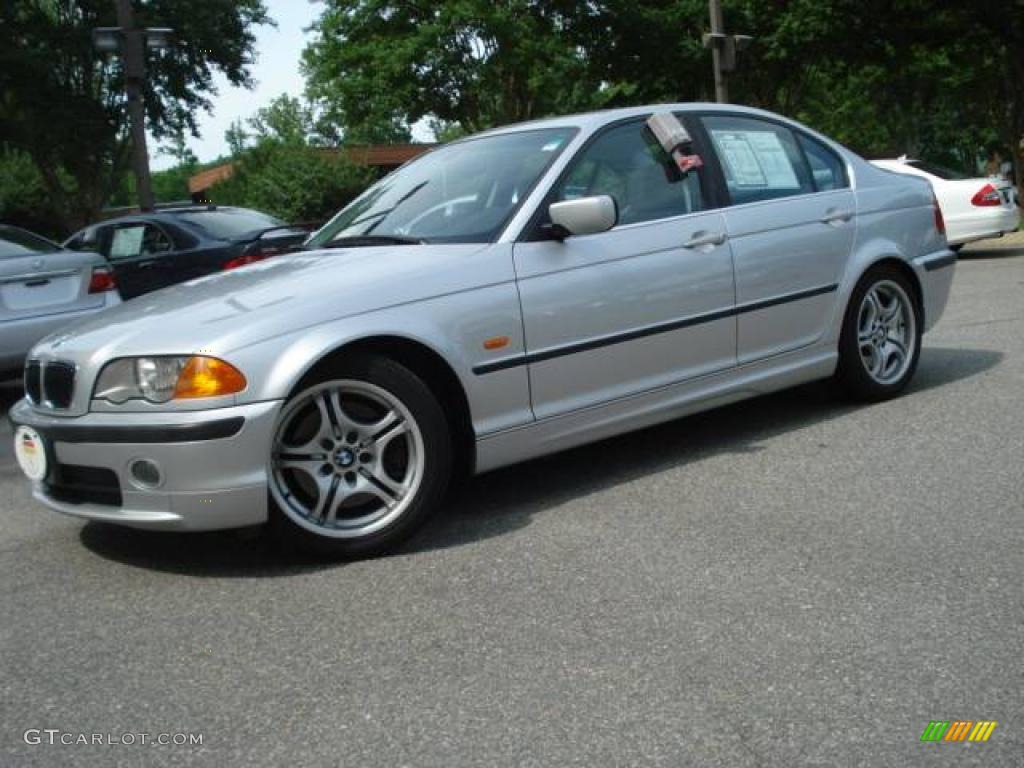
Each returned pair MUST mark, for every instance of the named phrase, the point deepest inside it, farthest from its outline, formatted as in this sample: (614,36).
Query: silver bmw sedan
(518,292)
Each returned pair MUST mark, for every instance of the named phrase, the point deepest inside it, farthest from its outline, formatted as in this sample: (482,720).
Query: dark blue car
(148,251)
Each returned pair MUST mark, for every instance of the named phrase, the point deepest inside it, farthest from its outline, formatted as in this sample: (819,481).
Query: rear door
(140,253)
(791,223)
(38,278)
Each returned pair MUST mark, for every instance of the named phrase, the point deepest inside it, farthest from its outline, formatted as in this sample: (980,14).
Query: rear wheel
(880,341)
(360,459)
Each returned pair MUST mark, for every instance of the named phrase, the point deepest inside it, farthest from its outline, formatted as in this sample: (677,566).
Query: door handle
(148,263)
(700,240)
(836,217)
(37,283)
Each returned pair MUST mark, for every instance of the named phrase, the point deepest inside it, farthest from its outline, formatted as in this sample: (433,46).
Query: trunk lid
(38,284)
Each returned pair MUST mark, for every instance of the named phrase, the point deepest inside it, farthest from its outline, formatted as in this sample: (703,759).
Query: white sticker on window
(127,242)
(756,159)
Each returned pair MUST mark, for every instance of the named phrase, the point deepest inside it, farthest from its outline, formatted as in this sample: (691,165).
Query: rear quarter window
(18,242)
(827,169)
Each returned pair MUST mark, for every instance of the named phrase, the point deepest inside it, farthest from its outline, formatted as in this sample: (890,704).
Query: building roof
(374,155)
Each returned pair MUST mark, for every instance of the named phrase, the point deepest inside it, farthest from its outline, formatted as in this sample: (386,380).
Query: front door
(646,304)
(138,251)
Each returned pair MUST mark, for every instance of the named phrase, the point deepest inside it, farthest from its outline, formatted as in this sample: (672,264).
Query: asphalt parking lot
(788,581)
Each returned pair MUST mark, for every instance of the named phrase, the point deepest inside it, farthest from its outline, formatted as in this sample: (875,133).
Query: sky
(276,71)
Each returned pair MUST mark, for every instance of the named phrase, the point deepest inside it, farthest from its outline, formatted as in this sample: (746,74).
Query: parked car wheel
(359,460)
(880,341)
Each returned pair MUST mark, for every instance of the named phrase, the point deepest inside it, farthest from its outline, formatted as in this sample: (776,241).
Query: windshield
(18,242)
(461,193)
(937,170)
(230,223)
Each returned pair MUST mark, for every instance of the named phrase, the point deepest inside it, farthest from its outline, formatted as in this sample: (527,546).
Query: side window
(138,240)
(126,242)
(827,168)
(760,160)
(627,163)
(155,240)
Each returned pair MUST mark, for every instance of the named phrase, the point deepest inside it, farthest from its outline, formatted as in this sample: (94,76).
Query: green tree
(23,198)
(286,119)
(286,171)
(62,104)
(377,67)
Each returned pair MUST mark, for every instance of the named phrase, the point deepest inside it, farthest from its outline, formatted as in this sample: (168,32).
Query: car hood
(239,307)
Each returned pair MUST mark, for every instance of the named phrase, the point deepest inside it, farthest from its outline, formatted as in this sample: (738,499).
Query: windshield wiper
(355,241)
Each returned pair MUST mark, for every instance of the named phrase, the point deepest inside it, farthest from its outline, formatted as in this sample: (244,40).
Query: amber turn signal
(208,377)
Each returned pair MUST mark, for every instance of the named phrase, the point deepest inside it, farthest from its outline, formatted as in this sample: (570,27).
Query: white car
(974,208)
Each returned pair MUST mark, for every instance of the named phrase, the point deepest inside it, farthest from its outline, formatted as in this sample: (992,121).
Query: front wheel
(360,459)
(880,342)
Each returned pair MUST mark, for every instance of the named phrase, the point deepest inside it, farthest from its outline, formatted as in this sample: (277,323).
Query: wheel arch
(905,269)
(426,363)
(866,260)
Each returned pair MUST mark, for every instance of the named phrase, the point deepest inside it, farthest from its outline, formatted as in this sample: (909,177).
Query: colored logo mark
(958,730)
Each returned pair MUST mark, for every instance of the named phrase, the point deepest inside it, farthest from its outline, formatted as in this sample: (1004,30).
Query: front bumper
(213,465)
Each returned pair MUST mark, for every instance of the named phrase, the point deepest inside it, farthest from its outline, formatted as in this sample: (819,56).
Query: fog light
(146,473)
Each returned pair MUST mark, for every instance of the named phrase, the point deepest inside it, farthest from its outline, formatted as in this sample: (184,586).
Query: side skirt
(644,409)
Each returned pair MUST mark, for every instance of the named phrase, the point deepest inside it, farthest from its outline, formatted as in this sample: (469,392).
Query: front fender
(454,327)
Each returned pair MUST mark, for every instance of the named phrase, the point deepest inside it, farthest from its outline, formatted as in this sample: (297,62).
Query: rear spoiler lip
(262,233)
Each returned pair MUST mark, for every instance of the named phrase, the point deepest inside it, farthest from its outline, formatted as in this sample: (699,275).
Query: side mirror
(583,216)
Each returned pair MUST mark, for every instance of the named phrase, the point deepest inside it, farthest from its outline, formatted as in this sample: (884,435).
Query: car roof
(172,212)
(590,120)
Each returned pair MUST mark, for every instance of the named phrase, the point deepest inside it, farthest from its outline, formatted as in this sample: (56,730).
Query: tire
(883,316)
(360,458)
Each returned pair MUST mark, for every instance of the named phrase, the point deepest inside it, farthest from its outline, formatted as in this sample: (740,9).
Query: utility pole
(134,57)
(132,43)
(723,50)
(718,34)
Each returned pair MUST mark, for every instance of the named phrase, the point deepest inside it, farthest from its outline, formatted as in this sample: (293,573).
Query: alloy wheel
(347,459)
(886,332)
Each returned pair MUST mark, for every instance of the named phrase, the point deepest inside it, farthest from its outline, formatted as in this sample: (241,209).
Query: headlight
(157,377)
(160,379)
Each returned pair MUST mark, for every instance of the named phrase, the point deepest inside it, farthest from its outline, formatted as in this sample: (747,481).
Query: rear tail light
(255,252)
(940,223)
(241,261)
(986,196)
(102,280)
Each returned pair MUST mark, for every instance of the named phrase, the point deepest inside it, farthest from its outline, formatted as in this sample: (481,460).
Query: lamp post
(723,50)
(132,43)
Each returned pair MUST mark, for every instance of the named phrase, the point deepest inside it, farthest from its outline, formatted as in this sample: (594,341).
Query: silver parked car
(515,293)
(44,287)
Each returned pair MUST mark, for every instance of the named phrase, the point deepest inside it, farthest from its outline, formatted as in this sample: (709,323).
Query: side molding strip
(651,330)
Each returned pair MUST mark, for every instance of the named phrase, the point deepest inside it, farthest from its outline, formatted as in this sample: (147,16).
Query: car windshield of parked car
(18,242)
(940,171)
(230,224)
(462,193)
